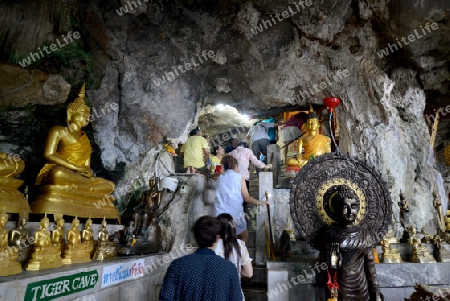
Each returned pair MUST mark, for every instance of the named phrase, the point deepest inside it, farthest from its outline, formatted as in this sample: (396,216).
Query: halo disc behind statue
(312,194)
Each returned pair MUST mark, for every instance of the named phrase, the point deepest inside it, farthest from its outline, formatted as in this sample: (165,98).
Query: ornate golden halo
(334,182)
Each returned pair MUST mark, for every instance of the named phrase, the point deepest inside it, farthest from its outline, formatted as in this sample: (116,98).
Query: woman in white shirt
(231,248)
(231,191)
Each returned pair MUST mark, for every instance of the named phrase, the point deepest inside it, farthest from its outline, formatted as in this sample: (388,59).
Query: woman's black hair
(228,235)
(243,143)
(214,152)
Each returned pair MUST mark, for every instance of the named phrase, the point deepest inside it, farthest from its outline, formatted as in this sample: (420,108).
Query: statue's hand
(85,172)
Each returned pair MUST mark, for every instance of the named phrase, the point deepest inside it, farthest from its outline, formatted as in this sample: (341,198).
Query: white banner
(120,272)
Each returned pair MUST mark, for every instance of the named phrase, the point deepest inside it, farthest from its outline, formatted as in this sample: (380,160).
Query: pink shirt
(244,156)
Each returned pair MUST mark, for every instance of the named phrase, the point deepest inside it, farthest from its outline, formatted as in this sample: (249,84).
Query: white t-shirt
(243,259)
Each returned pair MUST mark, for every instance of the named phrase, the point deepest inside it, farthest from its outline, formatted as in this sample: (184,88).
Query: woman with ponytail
(231,248)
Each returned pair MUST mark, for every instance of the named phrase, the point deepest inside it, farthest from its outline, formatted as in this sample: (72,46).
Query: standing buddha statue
(45,255)
(68,183)
(75,251)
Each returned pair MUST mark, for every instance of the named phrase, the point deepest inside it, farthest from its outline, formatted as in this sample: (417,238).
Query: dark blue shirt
(201,276)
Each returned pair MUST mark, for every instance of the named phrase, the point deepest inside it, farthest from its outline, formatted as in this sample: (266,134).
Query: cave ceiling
(267,56)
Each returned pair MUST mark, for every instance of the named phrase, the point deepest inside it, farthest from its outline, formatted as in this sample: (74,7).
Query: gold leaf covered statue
(58,235)
(69,186)
(87,236)
(10,197)
(315,144)
(45,255)
(105,248)
(18,238)
(76,252)
(390,254)
(8,263)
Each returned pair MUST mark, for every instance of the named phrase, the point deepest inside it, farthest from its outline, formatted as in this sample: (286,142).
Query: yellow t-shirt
(193,151)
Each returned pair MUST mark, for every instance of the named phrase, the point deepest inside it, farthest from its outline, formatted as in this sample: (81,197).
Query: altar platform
(121,278)
(299,278)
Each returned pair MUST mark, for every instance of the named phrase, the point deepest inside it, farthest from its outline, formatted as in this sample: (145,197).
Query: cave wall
(325,48)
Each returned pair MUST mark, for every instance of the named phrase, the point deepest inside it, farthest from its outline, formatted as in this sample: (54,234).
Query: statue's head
(75,222)
(3,218)
(88,222)
(312,120)
(60,222)
(44,222)
(77,111)
(104,222)
(23,221)
(345,203)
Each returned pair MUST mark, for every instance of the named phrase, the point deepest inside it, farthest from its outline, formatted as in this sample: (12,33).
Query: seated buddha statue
(315,144)
(58,236)
(87,236)
(10,197)
(69,186)
(8,263)
(45,255)
(76,251)
(18,238)
(390,254)
(105,248)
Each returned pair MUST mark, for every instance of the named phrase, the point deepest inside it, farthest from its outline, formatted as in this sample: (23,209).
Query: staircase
(254,288)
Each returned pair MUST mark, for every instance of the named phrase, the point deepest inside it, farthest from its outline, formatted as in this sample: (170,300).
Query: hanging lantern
(331,102)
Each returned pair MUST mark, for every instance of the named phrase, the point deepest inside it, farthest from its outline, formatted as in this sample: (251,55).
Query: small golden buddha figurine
(390,237)
(45,255)
(75,251)
(443,254)
(440,215)
(69,186)
(315,144)
(105,248)
(390,254)
(10,197)
(87,236)
(290,230)
(18,238)
(419,253)
(446,234)
(8,263)
(58,235)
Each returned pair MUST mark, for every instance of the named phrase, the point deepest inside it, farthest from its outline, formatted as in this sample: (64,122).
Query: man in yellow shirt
(196,153)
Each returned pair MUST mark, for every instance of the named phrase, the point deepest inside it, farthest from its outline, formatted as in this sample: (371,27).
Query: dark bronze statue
(345,250)
(342,207)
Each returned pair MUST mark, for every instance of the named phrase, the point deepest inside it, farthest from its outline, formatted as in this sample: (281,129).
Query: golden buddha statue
(10,197)
(105,248)
(87,236)
(440,215)
(315,144)
(390,254)
(45,255)
(18,238)
(69,186)
(58,236)
(8,263)
(76,252)
(419,253)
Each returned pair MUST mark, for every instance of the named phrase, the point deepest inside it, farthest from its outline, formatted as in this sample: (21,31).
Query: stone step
(255,294)
(259,279)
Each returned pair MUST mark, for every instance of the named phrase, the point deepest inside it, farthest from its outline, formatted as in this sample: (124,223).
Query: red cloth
(296,120)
